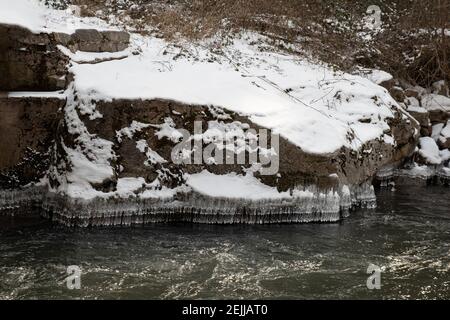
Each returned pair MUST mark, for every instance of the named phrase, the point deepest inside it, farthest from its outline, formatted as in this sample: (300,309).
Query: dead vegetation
(412,44)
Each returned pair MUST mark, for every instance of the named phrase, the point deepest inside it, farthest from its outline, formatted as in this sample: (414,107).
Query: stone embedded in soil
(91,40)
(397,93)
(35,133)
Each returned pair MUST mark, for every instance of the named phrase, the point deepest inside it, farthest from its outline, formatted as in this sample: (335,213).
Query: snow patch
(436,102)
(233,186)
(36,17)
(430,150)
(129,132)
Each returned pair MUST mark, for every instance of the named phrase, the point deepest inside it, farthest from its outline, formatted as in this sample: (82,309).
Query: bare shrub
(412,45)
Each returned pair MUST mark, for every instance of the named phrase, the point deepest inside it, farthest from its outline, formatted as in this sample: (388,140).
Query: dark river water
(407,236)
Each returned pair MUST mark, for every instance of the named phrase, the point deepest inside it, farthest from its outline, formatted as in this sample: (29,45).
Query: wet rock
(428,153)
(436,131)
(325,174)
(444,142)
(420,114)
(444,137)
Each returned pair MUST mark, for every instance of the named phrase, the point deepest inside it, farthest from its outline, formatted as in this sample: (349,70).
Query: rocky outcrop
(296,166)
(325,177)
(27,132)
(30,61)
(431,161)
(84,144)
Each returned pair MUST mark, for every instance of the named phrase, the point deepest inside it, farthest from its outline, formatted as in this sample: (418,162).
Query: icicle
(308,205)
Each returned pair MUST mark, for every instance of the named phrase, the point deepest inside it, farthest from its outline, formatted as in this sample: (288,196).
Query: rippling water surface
(408,236)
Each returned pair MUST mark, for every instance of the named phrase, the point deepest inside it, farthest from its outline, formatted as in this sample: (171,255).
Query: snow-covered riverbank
(125,101)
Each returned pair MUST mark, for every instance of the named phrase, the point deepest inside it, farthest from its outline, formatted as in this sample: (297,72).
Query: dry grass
(399,48)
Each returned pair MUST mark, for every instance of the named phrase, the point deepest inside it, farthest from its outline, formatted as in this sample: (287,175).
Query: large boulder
(125,146)
(397,93)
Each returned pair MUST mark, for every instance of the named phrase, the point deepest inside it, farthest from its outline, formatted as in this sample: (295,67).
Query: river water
(407,236)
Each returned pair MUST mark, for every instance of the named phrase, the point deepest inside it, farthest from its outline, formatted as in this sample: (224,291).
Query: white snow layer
(34,16)
(314,107)
(232,186)
(436,102)
(430,150)
(310,105)
(436,131)
(37,94)
(374,75)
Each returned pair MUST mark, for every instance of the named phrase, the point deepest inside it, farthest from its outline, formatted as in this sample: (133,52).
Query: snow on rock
(429,150)
(28,14)
(436,102)
(138,187)
(89,160)
(374,75)
(152,156)
(413,105)
(310,105)
(436,131)
(130,185)
(441,87)
(233,186)
(129,132)
(36,17)
(93,57)
(417,171)
(37,94)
